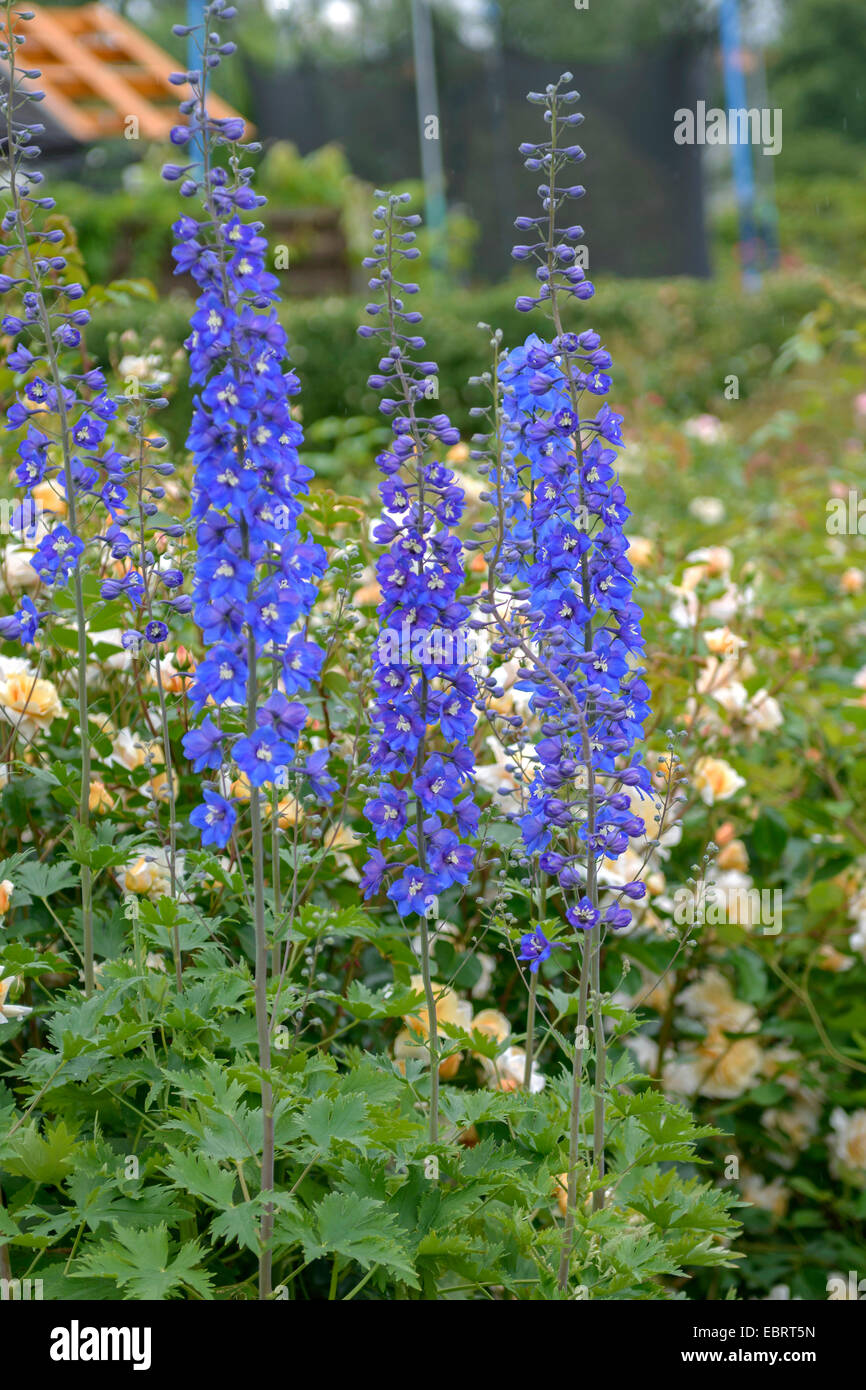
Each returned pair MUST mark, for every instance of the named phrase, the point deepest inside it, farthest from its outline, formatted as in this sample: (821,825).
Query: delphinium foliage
(254,570)
(560,599)
(422,804)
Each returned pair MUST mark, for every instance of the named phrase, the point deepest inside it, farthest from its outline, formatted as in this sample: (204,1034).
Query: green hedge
(677,339)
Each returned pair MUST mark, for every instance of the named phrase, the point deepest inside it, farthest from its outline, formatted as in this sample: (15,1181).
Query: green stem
(530,1031)
(574,1134)
(166,737)
(594,966)
(432,1031)
(420,451)
(600,1048)
(138,951)
(261,981)
(533,993)
(5,1262)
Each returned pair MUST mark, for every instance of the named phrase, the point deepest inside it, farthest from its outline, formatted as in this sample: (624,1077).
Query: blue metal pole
(194,60)
(194,20)
(741,152)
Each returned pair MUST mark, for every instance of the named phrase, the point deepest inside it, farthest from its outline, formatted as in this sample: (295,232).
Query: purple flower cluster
(61,417)
(565,560)
(255,572)
(424,713)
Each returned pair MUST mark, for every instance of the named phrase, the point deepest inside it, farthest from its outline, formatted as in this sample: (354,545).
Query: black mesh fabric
(643,211)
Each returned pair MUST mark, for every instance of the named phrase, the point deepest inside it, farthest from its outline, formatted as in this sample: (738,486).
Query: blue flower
(222,677)
(216,819)
(424,716)
(302,662)
(262,756)
(204,745)
(450,860)
(617,917)
(563,556)
(256,570)
(321,781)
(387,812)
(535,948)
(22,625)
(56,555)
(285,717)
(583,915)
(373,874)
(413,891)
(438,785)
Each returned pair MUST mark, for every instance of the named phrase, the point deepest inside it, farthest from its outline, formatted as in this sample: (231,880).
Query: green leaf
(43,880)
(328,1121)
(141,1265)
(202,1177)
(238,1225)
(359,1229)
(390,1002)
(769,836)
(43,1158)
(752,975)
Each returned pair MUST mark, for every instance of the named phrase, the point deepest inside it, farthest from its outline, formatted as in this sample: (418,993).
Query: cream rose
(847,1145)
(641,551)
(716,780)
(29,703)
(16,569)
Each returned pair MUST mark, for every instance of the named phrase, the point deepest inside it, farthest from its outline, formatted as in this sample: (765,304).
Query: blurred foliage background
(677,339)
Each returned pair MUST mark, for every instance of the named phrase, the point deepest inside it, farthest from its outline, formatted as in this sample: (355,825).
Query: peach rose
(641,551)
(145,876)
(716,780)
(100,798)
(49,497)
(408,1047)
(731,1067)
(734,856)
(722,642)
(29,703)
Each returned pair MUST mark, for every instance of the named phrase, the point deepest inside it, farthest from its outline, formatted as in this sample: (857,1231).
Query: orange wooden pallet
(98,71)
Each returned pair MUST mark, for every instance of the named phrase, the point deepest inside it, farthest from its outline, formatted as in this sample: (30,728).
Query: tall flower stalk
(559,598)
(424,715)
(64,413)
(154,590)
(255,572)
